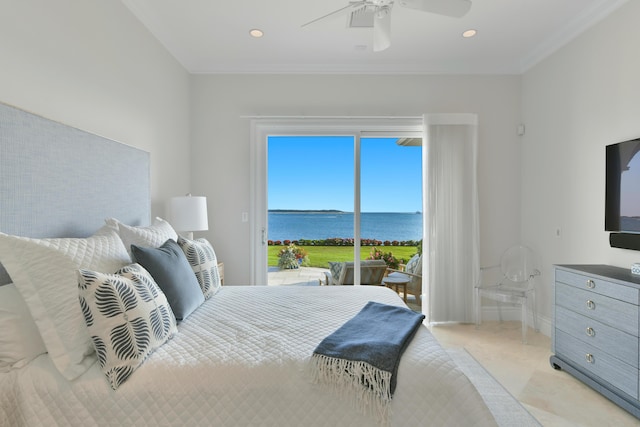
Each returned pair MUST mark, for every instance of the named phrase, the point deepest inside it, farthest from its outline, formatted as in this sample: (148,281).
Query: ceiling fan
(377,14)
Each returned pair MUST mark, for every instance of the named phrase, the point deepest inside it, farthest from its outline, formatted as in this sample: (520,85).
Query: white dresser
(596,330)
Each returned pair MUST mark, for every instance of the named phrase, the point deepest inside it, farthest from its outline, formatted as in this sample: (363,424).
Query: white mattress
(240,360)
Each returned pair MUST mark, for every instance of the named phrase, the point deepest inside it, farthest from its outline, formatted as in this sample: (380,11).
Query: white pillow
(204,263)
(45,273)
(127,316)
(152,236)
(20,341)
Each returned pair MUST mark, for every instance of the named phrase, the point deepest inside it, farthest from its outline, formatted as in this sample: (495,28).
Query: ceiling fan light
(382,11)
(256,33)
(382,32)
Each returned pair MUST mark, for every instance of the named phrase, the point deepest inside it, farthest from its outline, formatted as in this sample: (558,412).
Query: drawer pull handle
(591,284)
(591,332)
(589,357)
(591,305)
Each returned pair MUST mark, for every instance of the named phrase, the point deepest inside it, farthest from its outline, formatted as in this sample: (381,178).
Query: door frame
(263,127)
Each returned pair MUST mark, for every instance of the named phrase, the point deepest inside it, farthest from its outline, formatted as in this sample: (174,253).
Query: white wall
(221,140)
(580,99)
(92,65)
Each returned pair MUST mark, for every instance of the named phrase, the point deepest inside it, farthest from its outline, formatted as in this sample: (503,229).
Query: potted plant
(292,256)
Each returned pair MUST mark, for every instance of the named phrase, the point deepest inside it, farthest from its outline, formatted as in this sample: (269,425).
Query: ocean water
(373,225)
(630,223)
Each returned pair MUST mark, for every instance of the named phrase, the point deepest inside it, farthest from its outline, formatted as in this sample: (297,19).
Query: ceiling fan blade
(454,8)
(341,11)
(382,29)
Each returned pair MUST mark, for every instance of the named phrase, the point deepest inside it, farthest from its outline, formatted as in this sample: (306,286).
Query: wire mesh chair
(515,284)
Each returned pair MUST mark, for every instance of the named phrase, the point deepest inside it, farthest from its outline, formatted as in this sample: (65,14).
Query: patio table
(395,283)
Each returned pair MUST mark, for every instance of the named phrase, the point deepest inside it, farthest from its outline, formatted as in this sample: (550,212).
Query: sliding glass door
(310,205)
(330,181)
(391,190)
(313,190)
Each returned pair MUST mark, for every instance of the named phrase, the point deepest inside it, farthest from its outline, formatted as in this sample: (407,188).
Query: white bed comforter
(240,360)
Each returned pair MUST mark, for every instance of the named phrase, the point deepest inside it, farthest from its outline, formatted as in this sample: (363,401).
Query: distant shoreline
(306,211)
(325,211)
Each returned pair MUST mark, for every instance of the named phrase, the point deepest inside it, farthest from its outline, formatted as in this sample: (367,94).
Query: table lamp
(188,214)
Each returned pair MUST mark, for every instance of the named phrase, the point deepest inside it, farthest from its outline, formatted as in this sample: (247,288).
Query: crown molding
(573,29)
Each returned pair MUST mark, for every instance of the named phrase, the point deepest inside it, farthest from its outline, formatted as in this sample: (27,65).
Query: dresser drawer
(597,362)
(599,286)
(610,311)
(624,346)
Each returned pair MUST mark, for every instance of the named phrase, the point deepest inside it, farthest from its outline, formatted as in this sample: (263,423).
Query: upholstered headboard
(58,181)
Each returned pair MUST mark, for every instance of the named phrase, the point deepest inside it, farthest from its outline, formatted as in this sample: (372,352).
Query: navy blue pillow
(170,269)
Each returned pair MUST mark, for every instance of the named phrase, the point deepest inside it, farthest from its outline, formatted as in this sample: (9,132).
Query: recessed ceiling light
(469,33)
(256,33)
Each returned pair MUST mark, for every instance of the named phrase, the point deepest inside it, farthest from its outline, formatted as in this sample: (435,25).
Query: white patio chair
(342,273)
(412,273)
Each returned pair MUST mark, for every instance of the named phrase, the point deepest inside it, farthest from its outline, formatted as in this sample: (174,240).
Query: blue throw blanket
(361,358)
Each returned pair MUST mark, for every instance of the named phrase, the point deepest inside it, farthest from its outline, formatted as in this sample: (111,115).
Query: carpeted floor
(505,408)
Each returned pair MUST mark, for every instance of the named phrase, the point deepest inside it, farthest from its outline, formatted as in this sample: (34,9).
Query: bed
(239,358)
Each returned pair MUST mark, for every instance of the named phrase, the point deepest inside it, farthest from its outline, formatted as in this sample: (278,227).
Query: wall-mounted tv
(622,198)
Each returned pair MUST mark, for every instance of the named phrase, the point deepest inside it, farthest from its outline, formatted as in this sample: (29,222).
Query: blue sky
(316,172)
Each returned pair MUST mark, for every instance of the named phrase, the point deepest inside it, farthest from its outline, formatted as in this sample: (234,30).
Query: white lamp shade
(188,213)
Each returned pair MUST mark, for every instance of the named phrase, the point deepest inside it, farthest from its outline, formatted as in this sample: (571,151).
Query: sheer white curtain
(451,230)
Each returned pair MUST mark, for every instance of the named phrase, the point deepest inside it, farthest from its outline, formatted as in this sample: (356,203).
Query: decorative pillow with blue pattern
(204,263)
(127,316)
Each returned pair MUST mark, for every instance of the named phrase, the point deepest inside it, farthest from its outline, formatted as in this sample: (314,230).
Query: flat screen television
(622,197)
